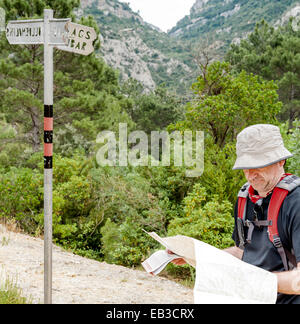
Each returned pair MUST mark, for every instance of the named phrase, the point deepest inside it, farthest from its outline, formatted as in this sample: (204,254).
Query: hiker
(267,212)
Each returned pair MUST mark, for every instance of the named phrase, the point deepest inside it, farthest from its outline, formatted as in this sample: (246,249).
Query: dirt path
(78,280)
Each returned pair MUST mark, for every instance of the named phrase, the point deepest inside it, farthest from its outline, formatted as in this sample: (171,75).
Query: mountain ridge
(138,49)
(230,21)
(141,51)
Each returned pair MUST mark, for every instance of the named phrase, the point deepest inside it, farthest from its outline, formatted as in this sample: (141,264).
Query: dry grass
(10,224)
(11,294)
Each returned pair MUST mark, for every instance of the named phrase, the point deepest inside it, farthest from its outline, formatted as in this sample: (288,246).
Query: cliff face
(141,51)
(222,22)
(111,7)
(199,6)
(137,49)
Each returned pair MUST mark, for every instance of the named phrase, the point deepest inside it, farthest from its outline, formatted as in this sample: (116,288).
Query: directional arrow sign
(25,31)
(80,39)
(32,31)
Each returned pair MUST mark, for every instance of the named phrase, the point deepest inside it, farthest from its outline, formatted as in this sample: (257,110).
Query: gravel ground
(78,280)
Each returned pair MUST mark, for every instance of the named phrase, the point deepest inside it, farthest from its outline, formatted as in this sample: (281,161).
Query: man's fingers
(179,261)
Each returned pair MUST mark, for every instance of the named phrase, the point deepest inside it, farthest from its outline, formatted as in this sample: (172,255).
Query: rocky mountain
(221,22)
(141,51)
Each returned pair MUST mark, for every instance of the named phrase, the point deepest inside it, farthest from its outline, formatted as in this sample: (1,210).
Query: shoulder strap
(242,200)
(242,207)
(244,191)
(276,201)
(283,188)
(289,183)
(280,192)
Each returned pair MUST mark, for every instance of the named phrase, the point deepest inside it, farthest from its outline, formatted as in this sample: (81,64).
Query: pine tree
(225,103)
(274,55)
(85,89)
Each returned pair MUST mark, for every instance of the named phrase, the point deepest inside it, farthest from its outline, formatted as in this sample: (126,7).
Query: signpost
(65,36)
(32,32)
(25,32)
(80,39)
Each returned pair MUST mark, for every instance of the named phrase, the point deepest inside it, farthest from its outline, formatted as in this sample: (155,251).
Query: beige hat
(259,146)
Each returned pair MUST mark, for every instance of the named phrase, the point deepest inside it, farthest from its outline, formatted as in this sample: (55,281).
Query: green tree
(208,221)
(274,55)
(225,103)
(85,89)
(154,110)
(32,8)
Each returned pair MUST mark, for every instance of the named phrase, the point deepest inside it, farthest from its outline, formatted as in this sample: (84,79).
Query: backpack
(283,188)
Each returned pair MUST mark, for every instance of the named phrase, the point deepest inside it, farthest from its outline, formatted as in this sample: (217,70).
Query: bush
(84,198)
(128,205)
(125,244)
(210,221)
(218,177)
(21,197)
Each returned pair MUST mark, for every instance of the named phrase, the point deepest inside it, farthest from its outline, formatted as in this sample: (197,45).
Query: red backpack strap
(276,201)
(288,184)
(242,201)
(275,204)
(242,207)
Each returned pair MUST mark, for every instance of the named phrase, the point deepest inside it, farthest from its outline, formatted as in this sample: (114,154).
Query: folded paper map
(181,246)
(220,277)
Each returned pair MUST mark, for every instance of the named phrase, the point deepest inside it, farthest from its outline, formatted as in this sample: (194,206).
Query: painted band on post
(48,135)
(48,111)
(48,162)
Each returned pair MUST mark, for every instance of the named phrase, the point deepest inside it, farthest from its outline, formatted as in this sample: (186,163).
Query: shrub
(209,221)
(21,197)
(125,244)
(218,177)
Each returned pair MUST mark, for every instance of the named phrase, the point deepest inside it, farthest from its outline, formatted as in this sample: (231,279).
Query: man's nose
(251,174)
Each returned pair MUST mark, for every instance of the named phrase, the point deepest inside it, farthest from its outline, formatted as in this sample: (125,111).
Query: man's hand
(289,281)
(179,261)
(235,251)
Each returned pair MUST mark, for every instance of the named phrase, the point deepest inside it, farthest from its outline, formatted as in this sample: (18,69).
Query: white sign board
(25,31)
(32,32)
(58,31)
(80,39)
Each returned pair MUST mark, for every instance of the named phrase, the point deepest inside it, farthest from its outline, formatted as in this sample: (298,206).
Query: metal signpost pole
(65,36)
(48,151)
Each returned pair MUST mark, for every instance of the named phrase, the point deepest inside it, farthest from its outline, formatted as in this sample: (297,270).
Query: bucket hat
(259,146)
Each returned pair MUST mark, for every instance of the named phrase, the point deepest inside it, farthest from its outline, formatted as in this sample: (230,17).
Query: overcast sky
(161,13)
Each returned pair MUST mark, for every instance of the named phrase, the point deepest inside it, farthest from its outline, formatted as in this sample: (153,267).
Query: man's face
(265,179)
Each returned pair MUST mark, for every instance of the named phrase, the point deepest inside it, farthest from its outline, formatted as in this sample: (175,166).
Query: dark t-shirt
(261,252)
